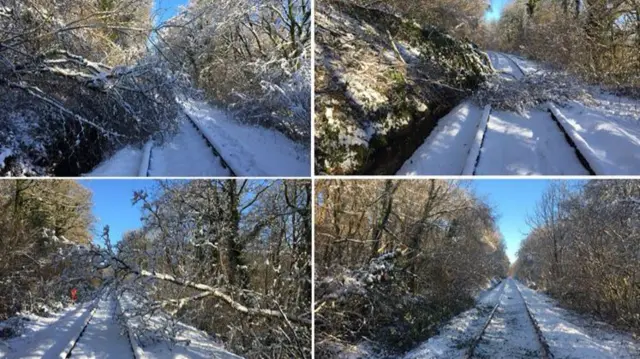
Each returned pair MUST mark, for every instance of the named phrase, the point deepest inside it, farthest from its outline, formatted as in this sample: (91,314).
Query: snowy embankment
(604,136)
(189,342)
(91,330)
(247,150)
(571,336)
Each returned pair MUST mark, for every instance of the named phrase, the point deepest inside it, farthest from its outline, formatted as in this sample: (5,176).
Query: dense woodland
(37,218)
(80,79)
(394,259)
(230,257)
(598,40)
(584,249)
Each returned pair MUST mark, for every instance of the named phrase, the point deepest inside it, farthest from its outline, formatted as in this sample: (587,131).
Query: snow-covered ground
(185,155)
(251,150)
(190,342)
(572,336)
(124,163)
(504,64)
(510,334)
(248,150)
(606,131)
(61,335)
(48,337)
(455,337)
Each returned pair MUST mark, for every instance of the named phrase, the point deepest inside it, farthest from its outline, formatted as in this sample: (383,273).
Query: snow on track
(531,144)
(491,297)
(47,338)
(510,334)
(504,64)
(248,150)
(79,334)
(185,155)
(125,163)
(513,144)
(526,66)
(446,149)
(103,338)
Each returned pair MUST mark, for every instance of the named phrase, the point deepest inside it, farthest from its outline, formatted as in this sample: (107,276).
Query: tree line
(251,56)
(394,259)
(584,248)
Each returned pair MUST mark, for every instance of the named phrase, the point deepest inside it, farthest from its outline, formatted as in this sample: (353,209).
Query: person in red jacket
(74,294)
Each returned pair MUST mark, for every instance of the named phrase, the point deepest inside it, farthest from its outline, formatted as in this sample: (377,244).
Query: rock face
(381,84)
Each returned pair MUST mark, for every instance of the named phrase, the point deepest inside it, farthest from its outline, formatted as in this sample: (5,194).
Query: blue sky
(512,200)
(112,205)
(496,9)
(165,9)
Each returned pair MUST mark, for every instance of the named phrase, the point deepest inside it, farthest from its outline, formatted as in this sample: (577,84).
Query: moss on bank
(381,83)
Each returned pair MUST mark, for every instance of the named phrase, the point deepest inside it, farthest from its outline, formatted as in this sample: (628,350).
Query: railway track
(214,148)
(514,64)
(543,352)
(66,353)
(581,157)
(145,164)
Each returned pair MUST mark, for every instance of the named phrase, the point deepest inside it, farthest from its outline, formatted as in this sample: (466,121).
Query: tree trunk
(235,263)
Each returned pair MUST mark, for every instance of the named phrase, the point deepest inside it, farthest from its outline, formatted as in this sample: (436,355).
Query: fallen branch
(215,292)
